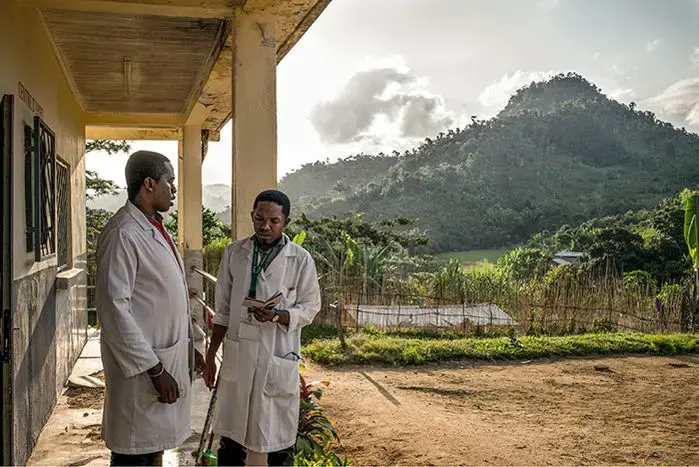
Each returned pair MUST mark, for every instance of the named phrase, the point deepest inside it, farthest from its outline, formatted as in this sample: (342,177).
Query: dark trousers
(152,459)
(232,453)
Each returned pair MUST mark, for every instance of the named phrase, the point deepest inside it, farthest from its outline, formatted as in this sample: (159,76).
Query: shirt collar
(157,217)
(279,244)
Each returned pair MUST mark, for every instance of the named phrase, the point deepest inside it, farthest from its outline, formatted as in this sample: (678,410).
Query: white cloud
(622,94)
(497,94)
(679,103)
(596,56)
(547,5)
(695,56)
(623,77)
(651,46)
(624,74)
(379,104)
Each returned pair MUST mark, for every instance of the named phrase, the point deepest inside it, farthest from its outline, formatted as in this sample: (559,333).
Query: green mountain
(559,153)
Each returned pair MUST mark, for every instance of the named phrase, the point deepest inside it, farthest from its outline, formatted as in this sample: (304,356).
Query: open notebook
(271,302)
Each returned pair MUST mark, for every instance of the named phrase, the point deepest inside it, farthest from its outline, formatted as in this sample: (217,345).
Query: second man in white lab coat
(258,394)
(147,331)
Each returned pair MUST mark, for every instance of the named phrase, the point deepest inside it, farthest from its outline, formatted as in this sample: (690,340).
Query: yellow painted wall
(26,57)
(49,322)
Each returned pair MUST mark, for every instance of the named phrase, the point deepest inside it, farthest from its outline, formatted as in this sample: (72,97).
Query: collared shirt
(157,222)
(274,251)
(260,261)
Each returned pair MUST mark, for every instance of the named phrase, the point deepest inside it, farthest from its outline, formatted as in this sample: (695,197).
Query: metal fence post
(463,316)
(437,313)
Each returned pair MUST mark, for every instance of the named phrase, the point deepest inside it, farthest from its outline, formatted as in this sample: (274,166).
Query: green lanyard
(259,262)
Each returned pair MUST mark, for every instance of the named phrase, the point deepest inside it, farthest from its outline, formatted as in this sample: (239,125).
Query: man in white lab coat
(258,392)
(147,333)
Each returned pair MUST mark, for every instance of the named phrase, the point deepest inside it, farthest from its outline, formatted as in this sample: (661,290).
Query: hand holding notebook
(270,303)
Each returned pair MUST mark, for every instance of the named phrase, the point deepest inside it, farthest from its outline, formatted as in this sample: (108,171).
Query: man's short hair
(141,165)
(276,197)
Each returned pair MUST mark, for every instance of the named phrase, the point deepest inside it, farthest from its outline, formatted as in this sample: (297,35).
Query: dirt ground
(631,410)
(86,398)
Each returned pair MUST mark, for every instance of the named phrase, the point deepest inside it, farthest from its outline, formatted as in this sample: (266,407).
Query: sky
(376,76)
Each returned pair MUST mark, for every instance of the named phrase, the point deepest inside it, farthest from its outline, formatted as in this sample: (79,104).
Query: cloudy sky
(374,76)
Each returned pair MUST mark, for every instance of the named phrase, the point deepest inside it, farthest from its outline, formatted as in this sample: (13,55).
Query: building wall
(49,322)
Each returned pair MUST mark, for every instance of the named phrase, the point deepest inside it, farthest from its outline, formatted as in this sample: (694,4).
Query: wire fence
(523,313)
(556,316)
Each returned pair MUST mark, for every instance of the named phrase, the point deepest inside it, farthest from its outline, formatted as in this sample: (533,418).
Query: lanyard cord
(256,268)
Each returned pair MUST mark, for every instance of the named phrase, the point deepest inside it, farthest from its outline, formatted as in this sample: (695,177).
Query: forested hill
(559,153)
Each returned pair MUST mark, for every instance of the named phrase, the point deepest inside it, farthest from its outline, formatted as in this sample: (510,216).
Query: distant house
(566,258)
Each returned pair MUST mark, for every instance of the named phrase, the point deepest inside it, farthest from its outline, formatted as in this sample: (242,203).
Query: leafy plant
(317,437)
(299,238)
(318,459)
(691,236)
(108,146)
(691,228)
(212,228)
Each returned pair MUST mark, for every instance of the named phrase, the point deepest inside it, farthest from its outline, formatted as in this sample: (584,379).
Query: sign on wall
(29,100)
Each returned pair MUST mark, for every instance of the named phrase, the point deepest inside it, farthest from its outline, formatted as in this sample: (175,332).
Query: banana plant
(299,238)
(367,261)
(691,236)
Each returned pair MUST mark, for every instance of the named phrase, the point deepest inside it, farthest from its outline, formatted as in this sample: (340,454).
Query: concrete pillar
(254,111)
(189,225)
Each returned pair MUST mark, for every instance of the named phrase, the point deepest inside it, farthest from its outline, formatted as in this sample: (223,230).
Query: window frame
(63,245)
(40,190)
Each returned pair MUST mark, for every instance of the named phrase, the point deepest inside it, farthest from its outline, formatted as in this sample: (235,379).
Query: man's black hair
(276,197)
(141,165)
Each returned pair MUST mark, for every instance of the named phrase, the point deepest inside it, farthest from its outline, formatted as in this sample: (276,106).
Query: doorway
(6,143)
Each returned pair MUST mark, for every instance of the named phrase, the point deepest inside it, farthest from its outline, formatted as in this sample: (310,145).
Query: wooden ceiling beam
(131,134)
(135,120)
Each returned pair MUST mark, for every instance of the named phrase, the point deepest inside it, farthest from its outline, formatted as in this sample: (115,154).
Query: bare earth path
(631,410)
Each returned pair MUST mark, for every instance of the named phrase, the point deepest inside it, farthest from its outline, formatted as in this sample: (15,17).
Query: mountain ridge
(559,153)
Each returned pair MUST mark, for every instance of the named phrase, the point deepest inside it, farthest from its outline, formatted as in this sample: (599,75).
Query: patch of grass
(315,332)
(471,257)
(362,348)
(428,333)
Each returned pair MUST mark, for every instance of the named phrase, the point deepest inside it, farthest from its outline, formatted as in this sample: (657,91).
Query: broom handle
(211,441)
(207,422)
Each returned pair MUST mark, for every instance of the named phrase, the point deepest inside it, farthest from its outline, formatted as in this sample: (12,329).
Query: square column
(189,220)
(254,109)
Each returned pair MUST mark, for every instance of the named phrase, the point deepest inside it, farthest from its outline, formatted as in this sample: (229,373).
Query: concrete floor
(71,435)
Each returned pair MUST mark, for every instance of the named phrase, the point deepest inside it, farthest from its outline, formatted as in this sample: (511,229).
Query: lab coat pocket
(249,332)
(175,361)
(229,365)
(282,377)
(288,297)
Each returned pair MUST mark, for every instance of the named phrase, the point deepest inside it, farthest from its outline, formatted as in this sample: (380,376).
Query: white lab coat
(143,309)
(258,400)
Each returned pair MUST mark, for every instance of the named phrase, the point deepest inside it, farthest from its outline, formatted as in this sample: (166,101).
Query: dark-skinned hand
(164,384)
(199,362)
(263,315)
(210,370)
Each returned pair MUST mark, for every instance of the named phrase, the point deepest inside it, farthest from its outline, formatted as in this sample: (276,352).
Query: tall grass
(563,300)
(472,257)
